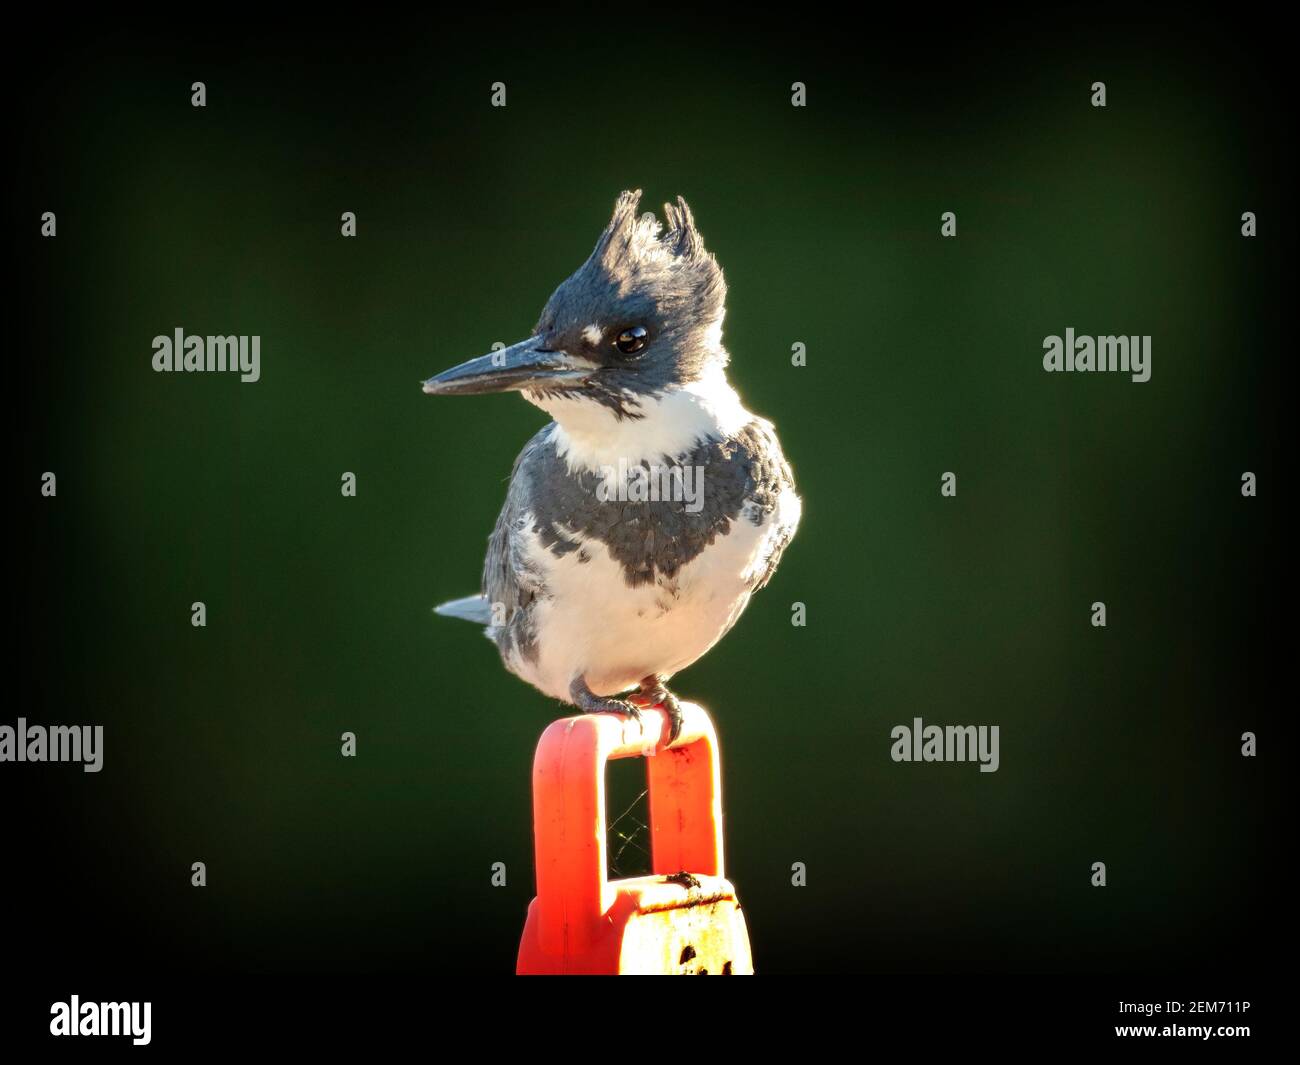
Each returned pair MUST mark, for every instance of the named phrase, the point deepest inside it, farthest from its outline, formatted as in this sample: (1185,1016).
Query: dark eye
(632,339)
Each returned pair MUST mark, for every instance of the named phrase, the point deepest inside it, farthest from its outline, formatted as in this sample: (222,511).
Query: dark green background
(924,355)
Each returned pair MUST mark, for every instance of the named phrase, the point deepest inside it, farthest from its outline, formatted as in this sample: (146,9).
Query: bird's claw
(651,693)
(590,703)
(616,706)
(654,693)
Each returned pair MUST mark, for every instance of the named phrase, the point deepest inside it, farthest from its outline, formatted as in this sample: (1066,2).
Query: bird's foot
(589,703)
(653,693)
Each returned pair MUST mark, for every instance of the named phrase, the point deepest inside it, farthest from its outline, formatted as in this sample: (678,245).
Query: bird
(639,521)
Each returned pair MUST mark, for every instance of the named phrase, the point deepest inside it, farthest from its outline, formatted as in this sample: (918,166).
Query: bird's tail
(474,608)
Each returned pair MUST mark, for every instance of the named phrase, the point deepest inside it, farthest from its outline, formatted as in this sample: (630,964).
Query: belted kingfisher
(640,520)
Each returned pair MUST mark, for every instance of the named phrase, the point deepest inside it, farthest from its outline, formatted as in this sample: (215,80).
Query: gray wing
(769,476)
(510,581)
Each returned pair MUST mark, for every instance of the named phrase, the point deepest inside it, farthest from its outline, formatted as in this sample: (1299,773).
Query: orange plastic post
(580,921)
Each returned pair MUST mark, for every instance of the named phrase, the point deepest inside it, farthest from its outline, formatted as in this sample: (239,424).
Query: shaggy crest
(675,267)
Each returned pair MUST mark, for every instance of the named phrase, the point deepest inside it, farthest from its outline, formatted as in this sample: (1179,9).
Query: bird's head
(641,316)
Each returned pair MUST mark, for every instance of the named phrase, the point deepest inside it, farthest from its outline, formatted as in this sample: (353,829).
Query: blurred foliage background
(924,355)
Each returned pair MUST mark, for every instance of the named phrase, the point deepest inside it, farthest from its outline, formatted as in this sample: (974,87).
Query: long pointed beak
(524,365)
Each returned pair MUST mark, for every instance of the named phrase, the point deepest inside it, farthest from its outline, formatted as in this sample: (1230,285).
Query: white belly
(594,625)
